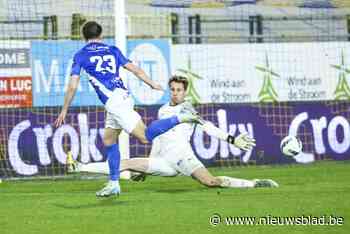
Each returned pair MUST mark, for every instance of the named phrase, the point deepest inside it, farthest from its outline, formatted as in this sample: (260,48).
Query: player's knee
(144,140)
(109,140)
(140,132)
(140,135)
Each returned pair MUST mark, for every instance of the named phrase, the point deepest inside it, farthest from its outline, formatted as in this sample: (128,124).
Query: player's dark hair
(179,79)
(91,30)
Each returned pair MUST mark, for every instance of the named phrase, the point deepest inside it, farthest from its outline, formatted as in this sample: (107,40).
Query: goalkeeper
(172,154)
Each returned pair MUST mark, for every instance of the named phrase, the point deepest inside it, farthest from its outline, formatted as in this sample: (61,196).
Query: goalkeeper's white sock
(229,182)
(99,167)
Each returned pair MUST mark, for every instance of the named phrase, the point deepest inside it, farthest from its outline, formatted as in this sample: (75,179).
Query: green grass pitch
(179,205)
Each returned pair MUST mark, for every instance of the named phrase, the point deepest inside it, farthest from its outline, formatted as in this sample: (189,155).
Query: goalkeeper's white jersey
(178,137)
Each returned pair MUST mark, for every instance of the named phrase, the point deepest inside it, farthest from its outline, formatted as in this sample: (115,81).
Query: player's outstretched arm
(137,71)
(68,97)
(242,141)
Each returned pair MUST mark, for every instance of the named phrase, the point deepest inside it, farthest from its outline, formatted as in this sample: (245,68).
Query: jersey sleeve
(76,66)
(122,60)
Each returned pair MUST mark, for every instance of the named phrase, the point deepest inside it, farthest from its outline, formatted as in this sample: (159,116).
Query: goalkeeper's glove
(243,141)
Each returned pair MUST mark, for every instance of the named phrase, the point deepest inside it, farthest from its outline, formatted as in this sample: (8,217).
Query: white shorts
(171,164)
(120,111)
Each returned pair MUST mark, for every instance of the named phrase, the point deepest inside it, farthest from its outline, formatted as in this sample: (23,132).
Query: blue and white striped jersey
(102,63)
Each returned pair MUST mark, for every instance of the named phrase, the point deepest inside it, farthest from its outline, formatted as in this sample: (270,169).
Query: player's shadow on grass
(184,190)
(99,203)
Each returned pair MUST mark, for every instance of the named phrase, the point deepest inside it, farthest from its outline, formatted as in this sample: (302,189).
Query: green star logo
(192,95)
(342,91)
(267,92)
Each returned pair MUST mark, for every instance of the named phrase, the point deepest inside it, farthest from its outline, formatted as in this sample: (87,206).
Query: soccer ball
(291,146)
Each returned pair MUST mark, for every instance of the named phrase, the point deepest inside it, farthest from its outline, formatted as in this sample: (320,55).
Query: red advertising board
(16,91)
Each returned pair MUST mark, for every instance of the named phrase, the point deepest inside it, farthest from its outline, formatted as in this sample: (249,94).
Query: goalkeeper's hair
(91,30)
(179,79)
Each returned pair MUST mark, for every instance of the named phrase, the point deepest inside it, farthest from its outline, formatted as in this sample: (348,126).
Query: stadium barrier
(32,146)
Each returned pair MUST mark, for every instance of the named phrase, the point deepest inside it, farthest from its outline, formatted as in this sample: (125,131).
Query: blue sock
(160,126)
(113,157)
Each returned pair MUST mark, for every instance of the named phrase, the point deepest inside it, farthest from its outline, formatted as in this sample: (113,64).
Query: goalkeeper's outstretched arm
(242,141)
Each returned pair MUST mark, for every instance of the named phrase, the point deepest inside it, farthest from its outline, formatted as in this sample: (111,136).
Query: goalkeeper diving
(172,154)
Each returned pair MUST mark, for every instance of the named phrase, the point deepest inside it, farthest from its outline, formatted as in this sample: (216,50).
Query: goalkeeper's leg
(135,165)
(97,167)
(207,179)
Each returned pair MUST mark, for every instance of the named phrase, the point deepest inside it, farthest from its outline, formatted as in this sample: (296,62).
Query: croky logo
(192,95)
(342,91)
(267,92)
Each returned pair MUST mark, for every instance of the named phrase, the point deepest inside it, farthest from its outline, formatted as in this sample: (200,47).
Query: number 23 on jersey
(109,59)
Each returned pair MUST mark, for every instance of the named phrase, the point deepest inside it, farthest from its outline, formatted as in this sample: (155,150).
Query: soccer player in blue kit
(102,63)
